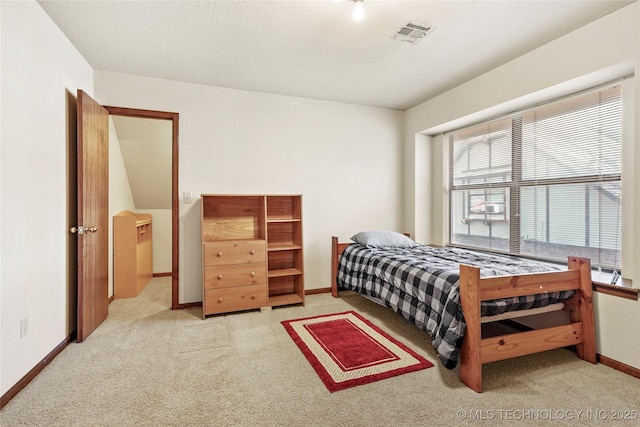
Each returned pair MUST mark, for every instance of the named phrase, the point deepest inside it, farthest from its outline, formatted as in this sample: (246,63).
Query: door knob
(81,230)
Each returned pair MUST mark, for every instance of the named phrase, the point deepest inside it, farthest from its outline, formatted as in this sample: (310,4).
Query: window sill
(624,289)
(600,281)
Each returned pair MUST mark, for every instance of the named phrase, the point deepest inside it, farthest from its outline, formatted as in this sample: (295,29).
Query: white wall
(161,227)
(601,51)
(345,160)
(39,68)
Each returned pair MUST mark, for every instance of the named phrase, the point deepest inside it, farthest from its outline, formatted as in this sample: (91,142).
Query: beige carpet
(150,366)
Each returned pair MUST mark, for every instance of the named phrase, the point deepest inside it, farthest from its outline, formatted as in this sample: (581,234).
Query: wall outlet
(186,197)
(24,326)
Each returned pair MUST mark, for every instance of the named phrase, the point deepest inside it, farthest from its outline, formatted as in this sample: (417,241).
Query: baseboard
(162,274)
(317,291)
(13,391)
(187,305)
(618,366)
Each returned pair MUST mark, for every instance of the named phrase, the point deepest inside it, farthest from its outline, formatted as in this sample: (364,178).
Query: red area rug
(347,350)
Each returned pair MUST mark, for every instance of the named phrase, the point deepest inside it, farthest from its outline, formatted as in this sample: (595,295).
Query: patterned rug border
(325,376)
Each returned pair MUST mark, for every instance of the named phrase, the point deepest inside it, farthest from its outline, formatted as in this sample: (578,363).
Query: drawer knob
(220,299)
(253,296)
(219,254)
(253,274)
(252,252)
(219,276)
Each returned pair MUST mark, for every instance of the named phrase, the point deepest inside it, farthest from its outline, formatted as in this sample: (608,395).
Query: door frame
(175,214)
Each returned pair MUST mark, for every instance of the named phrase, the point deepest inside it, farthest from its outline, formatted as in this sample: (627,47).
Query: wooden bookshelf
(252,252)
(132,253)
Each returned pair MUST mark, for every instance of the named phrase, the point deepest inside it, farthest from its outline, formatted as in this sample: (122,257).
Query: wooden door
(93,209)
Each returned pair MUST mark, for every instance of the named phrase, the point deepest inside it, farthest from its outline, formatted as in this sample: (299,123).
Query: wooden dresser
(132,253)
(250,259)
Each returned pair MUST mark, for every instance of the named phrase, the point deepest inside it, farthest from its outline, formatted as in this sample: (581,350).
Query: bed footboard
(476,351)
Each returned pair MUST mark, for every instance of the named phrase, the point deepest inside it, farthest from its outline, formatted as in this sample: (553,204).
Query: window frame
(516,183)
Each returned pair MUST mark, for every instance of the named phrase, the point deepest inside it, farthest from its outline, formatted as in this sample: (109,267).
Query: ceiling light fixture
(358,10)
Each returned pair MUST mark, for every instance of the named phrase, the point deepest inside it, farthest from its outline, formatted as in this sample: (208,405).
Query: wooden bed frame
(477,351)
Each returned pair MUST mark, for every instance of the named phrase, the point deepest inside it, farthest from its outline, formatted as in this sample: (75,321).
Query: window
(544,183)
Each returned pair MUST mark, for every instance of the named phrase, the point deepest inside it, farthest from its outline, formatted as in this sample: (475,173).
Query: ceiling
(313,48)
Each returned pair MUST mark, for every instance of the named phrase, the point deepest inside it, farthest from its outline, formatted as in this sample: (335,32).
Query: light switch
(186,197)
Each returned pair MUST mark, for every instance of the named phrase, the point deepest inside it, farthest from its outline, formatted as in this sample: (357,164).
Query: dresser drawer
(221,276)
(234,252)
(235,299)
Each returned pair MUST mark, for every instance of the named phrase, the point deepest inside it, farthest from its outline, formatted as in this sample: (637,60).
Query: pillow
(383,239)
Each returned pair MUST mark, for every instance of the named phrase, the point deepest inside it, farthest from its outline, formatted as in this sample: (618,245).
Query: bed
(444,294)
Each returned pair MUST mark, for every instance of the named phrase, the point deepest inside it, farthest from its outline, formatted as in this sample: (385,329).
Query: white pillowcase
(383,239)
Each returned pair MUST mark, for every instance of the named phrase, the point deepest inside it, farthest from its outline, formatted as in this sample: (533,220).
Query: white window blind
(544,183)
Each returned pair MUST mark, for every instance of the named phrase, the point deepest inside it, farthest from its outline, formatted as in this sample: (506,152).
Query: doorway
(131,113)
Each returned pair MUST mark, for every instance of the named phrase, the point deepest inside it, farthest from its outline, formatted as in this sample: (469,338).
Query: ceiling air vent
(413,32)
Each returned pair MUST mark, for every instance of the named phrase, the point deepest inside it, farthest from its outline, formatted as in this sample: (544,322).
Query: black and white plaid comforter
(421,284)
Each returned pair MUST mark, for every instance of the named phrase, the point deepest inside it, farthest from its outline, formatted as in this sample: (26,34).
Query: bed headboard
(336,250)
